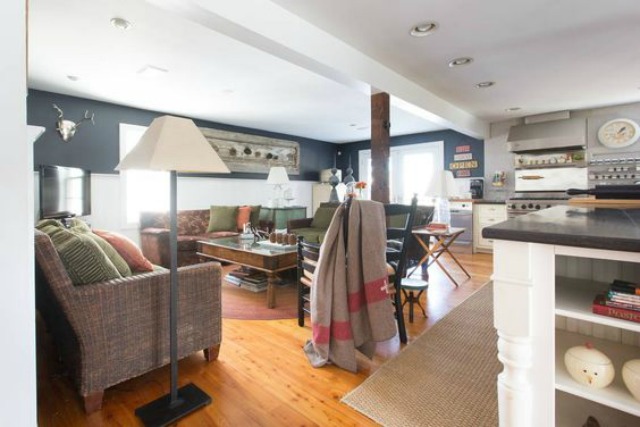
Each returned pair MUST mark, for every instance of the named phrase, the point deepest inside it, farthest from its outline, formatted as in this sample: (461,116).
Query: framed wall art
(252,153)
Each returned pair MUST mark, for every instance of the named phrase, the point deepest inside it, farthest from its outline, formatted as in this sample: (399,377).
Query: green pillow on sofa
(82,257)
(223,218)
(80,227)
(322,218)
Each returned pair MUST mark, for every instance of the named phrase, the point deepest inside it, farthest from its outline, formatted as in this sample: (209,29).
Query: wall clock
(619,133)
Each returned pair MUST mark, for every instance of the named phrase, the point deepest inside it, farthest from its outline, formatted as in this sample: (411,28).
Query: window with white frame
(142,190)
(411,168)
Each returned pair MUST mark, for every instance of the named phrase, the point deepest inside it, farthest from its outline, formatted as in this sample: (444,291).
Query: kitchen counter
(479,201)
(614,229)
(547,268)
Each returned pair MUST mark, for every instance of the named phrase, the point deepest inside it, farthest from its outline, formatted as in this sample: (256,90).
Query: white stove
(524,204)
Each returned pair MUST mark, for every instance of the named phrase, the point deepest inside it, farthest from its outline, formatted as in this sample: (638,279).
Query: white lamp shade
(173,144)
(277,175)
(443,185)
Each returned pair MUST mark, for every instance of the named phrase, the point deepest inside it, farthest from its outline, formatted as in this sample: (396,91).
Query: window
(411,168)
(142,190)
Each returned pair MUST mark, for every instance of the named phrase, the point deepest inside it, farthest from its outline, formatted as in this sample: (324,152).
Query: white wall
(193,193)
(18,405)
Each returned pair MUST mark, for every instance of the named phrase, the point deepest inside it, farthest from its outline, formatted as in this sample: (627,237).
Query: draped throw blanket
(350,307)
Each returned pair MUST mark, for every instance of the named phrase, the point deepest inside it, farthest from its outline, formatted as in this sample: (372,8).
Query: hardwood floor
(261,378)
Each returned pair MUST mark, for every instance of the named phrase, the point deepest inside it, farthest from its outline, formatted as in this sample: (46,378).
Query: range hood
(551,135)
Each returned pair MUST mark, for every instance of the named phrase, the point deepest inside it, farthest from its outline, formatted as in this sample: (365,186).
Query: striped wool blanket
(350,307)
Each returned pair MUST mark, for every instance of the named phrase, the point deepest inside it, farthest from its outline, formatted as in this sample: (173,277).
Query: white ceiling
(257,63)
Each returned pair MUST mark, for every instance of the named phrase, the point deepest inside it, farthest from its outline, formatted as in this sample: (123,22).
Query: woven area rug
(445,378)
(238,303)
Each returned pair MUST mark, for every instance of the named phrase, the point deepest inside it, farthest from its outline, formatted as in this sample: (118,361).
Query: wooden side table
(443,239)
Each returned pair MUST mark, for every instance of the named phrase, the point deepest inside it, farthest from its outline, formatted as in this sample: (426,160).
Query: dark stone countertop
(489,202)
(597,228)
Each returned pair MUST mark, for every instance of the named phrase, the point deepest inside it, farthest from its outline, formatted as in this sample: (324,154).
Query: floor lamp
(173,144)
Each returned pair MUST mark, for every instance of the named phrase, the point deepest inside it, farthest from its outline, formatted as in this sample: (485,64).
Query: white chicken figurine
(589,366)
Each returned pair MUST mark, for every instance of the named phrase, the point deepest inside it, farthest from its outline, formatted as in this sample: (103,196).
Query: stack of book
(621,301)
(246,278)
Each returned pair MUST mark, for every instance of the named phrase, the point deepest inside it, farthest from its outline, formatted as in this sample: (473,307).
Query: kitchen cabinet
(484,215)
(547,270)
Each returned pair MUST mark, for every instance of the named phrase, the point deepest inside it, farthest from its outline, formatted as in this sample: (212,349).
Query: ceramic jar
(589,366)
(631,377)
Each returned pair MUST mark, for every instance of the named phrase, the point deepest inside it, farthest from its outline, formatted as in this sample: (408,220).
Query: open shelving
(574,298)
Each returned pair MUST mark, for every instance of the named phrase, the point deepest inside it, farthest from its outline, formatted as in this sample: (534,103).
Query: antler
(86,117)
(60,113)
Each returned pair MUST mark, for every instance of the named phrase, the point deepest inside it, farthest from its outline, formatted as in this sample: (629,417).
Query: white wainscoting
(193,193)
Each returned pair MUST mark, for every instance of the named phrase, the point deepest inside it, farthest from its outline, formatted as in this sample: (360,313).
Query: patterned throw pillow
(244,216)
(80,227)
(127,250)
(83,259)
(223,218)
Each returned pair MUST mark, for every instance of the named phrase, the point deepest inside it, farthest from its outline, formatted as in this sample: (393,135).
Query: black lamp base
(159,413)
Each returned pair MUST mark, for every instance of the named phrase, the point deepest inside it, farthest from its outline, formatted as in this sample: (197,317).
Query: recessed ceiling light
(460,61)
(152,71)
(120,23)
(484,85)
(423,29)
(512,109)
(73,78)
(353,125)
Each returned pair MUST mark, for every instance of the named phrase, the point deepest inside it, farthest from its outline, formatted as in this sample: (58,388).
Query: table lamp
(173,144)
(277,177)
(442,187)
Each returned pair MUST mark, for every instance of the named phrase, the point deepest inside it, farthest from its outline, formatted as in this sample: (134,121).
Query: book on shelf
(233,280)
(617,304)
(600,307)
(625,287)
(253,287)
(617,296)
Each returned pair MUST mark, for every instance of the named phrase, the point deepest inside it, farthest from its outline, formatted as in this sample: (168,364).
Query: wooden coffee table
(256,255)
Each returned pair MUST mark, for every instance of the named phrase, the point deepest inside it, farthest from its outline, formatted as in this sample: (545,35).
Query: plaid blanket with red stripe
(350,307)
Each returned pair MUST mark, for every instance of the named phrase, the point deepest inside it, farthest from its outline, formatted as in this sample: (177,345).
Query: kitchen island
(548,267)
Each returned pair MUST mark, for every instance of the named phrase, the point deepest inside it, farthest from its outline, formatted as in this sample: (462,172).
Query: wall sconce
(67,128)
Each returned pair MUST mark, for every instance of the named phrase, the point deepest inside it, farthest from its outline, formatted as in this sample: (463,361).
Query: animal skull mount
(67,128)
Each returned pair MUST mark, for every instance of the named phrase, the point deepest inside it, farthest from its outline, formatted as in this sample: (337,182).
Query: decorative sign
(251,153)
(463,160)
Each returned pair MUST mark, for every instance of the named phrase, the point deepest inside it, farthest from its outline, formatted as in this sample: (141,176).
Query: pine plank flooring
(261,377)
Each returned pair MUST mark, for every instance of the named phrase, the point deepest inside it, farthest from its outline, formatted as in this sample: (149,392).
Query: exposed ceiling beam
(272,29)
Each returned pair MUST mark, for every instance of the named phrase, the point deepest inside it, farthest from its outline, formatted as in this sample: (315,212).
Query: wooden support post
(380,147)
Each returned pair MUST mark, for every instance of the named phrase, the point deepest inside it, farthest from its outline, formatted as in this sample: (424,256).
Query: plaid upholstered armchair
(108,332)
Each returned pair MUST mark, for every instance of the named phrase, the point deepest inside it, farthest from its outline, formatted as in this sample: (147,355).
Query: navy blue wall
(97,147)
(451,140)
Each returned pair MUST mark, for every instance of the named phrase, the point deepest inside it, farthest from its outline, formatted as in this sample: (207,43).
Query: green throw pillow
(80,227)
(223,218)
(255,215)
(83,259)
(323,217)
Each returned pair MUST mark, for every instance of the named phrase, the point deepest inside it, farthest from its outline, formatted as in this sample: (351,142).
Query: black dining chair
(400,219)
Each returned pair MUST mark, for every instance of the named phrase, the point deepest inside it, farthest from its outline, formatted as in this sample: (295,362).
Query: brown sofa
(192,227)
(108,332)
